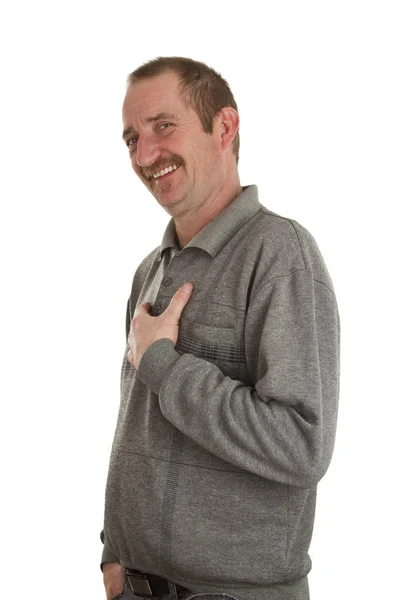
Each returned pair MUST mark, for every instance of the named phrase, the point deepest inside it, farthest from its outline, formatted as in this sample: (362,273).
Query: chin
(168,198)
(169,204)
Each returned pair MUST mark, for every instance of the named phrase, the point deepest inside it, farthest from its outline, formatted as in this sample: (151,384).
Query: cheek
(134,164)
(210,160)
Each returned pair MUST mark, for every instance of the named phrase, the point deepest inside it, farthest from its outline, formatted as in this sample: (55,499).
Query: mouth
(164,174)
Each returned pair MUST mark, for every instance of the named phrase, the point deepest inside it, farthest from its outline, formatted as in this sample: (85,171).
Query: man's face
(162,133)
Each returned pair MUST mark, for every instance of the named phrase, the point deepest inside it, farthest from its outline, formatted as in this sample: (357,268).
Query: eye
(132,141)
(165,126)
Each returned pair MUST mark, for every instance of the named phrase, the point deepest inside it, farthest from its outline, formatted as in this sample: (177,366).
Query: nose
(147,150)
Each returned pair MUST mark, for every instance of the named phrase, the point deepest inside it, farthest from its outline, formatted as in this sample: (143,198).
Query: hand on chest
(212,323)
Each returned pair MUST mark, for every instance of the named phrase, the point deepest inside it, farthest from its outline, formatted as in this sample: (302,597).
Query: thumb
(179,301)
(143,309)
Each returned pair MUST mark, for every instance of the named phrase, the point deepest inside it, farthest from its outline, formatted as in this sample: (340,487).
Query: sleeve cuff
(108,556)
(157,362)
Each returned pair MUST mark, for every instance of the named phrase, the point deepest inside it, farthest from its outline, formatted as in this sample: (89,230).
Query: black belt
(147,585)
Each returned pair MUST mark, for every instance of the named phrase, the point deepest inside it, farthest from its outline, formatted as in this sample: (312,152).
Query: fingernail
(187,287)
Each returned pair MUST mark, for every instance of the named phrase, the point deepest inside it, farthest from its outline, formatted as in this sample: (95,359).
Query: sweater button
(167,282)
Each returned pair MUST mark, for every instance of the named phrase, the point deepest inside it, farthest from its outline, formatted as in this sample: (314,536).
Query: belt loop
(172,590)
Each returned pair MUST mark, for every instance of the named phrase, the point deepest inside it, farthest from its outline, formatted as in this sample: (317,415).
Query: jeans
(127,594)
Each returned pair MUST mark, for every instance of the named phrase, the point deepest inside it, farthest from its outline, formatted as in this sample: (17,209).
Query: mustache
(162,163)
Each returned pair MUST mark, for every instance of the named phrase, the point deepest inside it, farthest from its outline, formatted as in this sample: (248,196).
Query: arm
(113,578)
(113,571)
(108,556)
(283,427)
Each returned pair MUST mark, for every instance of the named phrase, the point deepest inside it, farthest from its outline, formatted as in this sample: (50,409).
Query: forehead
(148,97)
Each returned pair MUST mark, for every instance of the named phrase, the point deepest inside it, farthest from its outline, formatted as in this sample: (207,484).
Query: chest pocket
(222,346)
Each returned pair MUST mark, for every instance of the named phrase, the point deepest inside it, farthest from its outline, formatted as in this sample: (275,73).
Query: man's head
(180,114)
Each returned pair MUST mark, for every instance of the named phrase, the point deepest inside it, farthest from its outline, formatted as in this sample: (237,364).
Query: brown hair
(205,90)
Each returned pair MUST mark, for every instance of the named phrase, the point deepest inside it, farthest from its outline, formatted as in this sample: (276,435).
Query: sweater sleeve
(107,555)
(282,427)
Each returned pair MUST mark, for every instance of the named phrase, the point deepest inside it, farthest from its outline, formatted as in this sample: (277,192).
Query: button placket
(166,282)
(157,308)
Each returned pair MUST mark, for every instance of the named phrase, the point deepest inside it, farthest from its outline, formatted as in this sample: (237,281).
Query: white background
(317,85)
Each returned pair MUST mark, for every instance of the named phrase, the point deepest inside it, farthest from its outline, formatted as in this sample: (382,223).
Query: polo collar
(213,237)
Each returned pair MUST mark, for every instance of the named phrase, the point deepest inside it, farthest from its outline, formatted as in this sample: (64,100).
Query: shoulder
(143,270)
(284,246)
(147,262)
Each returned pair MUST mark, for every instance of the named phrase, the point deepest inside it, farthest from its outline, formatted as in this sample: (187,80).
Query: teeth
(165,171)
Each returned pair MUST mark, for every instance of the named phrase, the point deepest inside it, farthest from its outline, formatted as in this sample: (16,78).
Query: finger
(179,301)
(143,309)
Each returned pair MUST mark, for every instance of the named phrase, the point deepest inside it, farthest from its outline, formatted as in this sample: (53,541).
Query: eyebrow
(162,115)
(127,131)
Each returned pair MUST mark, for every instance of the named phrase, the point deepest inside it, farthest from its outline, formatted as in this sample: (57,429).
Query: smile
(164,171)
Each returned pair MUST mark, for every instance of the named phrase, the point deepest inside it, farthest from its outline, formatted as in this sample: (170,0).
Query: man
(230,376)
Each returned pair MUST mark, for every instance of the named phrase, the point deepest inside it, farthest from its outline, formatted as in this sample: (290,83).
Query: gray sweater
(221,440)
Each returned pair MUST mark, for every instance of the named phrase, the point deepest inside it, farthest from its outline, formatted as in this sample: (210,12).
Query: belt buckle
(140,584)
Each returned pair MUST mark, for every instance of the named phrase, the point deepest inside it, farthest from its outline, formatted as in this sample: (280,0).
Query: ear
(229,124)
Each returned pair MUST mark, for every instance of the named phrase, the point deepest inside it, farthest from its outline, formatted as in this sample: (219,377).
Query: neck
(189,225)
